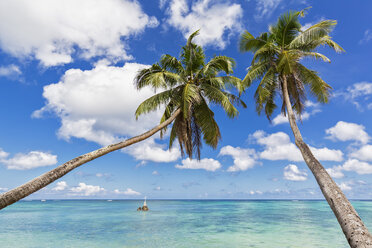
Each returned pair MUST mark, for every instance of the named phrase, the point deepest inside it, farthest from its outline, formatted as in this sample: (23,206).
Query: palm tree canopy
(190,84)
(278,53)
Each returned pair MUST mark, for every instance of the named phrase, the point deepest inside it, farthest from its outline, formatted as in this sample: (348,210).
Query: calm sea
(173,224)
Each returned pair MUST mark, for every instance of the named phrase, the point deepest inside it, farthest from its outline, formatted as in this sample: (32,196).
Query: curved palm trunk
(353,227)
(34,185)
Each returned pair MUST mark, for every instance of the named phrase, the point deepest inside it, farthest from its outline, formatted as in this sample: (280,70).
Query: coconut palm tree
(276,64)
(189,85)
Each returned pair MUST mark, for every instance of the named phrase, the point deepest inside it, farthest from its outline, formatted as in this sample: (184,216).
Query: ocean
(174,224)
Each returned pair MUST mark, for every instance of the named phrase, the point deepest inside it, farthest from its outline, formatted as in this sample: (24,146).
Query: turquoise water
(174,223)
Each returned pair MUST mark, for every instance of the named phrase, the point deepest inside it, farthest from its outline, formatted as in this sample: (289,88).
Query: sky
(66,78)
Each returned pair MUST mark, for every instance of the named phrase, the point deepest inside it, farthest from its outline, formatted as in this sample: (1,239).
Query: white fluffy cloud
(99,104)
(345,186)
(335,172)
(292,173)
(31,160)
(216,20)
(265,8)
(62,185)
(208,164)
(326,154)
(3,154)
(357,166)
(244,159)
(149,150)
(280,119)
(10,71)
(86,190)
(354,165)
(50,30)
(279,147)
(346,131)
(128,191)
(363,153)
(313,109)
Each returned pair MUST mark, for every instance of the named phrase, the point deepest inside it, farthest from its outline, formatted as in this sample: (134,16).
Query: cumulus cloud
(244,159)
(292,173)
(128,191)
(279,147)
(312,107)
(335,172)
(265,8)
(149,150)
(51,30)
(346,131)
(280,119)
(62,185)
(208,164)
(3,154)
(31,160)
(86,190)
(326,154)
(345,186)
(361,168)
(363,153)
(216,20)
(98,105)
(10,71)
(357,166)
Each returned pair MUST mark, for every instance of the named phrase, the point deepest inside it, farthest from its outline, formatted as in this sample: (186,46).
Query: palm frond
(218,64)
(286,28)
(141,80)
(204,117)
(190,96)
(265,93)
(248,43)
(255,71)
(218,97)
(318,87)
(315,32)
(233,82)
(171,64)
(265,53)
(154,102)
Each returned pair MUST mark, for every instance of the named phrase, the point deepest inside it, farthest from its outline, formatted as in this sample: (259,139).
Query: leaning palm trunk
(353,227)
(40,182)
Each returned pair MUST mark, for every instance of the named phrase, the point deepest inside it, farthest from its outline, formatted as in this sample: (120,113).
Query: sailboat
(144,207)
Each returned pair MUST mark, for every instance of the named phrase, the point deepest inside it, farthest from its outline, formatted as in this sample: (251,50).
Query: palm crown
(189,85)
(278,53)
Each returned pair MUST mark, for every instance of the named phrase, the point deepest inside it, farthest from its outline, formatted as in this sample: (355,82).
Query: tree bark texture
(40,182)
(351,224)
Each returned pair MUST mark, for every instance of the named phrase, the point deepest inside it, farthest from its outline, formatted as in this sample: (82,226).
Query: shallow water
(174,223)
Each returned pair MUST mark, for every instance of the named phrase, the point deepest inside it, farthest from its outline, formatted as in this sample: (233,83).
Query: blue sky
(66,73)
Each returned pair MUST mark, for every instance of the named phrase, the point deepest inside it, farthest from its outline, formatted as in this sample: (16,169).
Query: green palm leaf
(189,84)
